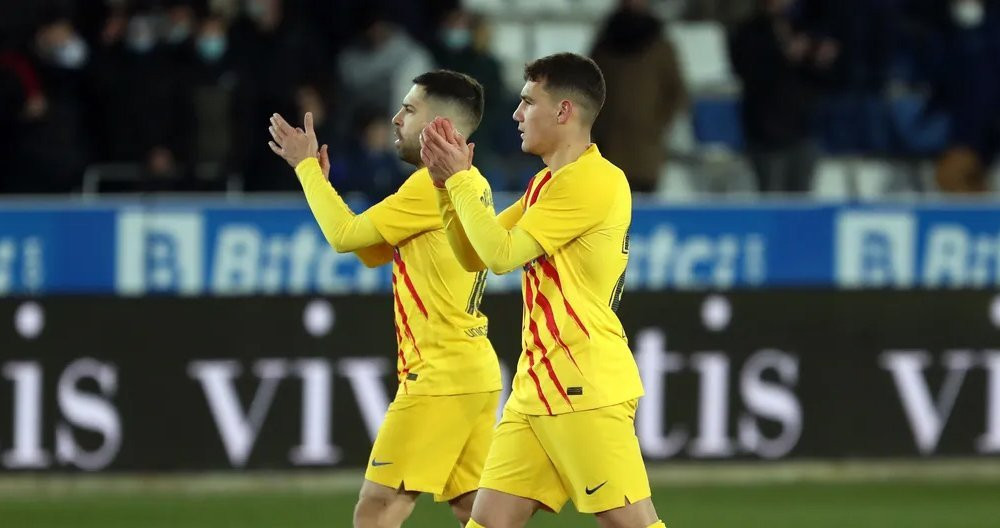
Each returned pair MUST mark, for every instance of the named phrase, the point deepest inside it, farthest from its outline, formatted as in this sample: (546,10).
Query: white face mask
(71,55)
(967,14)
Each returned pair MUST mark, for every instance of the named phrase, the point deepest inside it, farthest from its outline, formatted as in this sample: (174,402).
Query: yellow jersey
(575,353)
(440,331)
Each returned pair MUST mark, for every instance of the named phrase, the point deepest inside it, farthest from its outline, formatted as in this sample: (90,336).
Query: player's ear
(566,110)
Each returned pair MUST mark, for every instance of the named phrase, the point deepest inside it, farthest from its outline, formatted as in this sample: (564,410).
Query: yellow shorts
(434,444)
(591,457)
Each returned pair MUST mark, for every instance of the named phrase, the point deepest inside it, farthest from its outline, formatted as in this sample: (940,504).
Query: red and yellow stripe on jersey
(575,353)
(440,331)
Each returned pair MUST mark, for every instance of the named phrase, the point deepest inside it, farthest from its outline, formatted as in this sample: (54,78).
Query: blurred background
(826,98)
(813,281)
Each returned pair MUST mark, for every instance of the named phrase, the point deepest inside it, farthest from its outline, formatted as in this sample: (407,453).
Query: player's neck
(567,150)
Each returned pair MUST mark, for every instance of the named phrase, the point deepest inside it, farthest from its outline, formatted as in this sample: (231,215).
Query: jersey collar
(590,154)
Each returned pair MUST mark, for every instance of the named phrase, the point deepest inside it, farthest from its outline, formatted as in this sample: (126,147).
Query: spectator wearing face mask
(178,29)
(214,83)
(145,101)
(463,44)
(967,90)
(212,44)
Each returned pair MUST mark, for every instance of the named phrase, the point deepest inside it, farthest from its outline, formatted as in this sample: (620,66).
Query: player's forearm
(457,239)
(502,250)
(342,228)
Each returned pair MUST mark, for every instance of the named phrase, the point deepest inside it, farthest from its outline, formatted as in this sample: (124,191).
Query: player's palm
(444,150)
(294,145)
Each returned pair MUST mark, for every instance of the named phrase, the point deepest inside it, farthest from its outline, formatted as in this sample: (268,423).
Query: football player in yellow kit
(437,431)
(568,430)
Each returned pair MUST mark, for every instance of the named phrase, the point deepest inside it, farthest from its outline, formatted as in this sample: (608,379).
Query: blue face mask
(141,37)
(72,55)
(211,49)
(968,15)
(142,44)
(456,38)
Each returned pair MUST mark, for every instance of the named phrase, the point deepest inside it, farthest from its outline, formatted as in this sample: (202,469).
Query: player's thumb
(472,152)
(307,122)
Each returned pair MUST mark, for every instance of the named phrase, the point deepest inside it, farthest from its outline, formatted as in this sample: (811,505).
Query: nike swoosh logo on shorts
(599,486)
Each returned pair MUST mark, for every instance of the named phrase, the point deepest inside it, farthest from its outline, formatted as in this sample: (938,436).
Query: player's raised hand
(294,145)
(456,138)
(429,156)
(444,151)
(324,160)
(428,159)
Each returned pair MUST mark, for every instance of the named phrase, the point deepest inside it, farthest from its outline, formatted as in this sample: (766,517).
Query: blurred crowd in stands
(151,95)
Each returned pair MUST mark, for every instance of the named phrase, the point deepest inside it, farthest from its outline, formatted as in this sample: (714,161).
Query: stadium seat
(484,7)
(994,179)
(556,37)
(831,180)
(510,46)
(96,176)
(872,177)
(723,171)
(680,140)
(677,183)
(701,48)
(915,133)
(556,7)
(595,8)
(487,7)
(717,122)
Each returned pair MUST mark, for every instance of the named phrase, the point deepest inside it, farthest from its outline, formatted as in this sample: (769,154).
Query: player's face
(413,116)
(537,117)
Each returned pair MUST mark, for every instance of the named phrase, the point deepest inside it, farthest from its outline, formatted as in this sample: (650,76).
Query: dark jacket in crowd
(778,94)
(967,84)
(644,93)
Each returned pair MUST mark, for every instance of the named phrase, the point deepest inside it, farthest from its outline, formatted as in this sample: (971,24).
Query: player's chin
(411,156)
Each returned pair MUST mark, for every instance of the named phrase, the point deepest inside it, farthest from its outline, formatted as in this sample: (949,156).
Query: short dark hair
(454,87)
(572,73)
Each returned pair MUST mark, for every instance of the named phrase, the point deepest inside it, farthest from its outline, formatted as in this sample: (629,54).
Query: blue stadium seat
(717,122)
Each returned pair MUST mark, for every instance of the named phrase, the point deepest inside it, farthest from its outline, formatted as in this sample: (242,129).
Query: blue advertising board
(197,247)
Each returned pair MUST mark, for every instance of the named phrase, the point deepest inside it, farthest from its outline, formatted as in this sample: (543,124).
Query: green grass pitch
(909,504)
